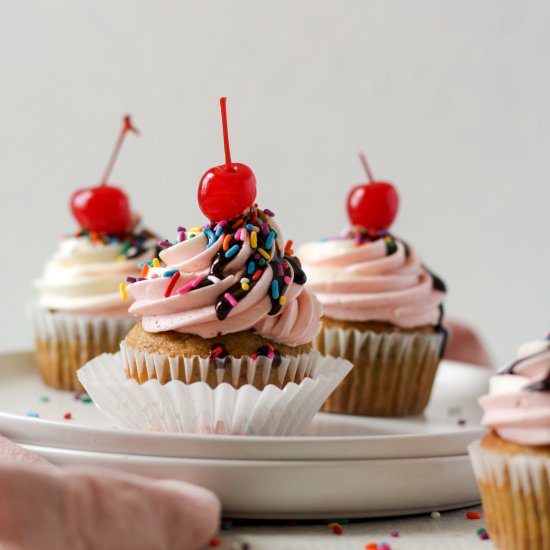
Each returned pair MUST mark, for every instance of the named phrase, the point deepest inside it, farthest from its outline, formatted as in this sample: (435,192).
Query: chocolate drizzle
(254,228)
(540,385)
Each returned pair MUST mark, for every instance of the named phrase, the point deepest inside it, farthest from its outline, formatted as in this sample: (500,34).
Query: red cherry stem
(366,166)
(228,164)
(126,127)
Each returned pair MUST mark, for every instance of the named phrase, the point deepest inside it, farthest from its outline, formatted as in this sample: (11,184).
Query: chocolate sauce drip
(220,356)
(407,249)
(511,369)
(286,269)
(437,282)
(299,275)
(266,351)
(541,385)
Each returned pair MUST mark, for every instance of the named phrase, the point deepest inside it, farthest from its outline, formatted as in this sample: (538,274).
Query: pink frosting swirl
(190,306)
(518,404)
(381,280)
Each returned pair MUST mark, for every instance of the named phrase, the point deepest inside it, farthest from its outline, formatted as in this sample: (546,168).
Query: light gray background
(450,101)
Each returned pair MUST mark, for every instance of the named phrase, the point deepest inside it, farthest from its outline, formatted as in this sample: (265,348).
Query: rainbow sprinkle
(171,283)
(123,293)
(230,299)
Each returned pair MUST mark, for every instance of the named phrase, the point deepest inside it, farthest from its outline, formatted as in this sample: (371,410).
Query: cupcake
(512,462)
(79,314)
(224,341)
(382,309)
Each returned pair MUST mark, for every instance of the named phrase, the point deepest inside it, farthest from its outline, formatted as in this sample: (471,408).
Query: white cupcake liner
(198,408)
(142,366)
(526,473)
(515,490)
(66,341)
(393,372)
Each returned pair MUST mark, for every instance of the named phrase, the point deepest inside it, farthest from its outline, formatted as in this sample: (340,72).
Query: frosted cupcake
(382,309)
(79,314)
(512,462)
(224,343)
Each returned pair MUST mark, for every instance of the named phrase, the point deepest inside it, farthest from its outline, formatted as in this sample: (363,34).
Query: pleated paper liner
(515,490)
(64,342)
(393,373)
(177,406)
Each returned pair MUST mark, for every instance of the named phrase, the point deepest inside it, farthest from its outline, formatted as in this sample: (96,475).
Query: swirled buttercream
(360,278)
(517,407)
(84,274)
(228,277)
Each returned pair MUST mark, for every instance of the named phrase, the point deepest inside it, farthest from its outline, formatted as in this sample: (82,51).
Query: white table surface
(451,530)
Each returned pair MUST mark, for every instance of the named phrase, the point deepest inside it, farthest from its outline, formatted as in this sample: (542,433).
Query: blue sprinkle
(269,240)
(251,268)
(33,414)
(150,263)
(169,273)
(250,227)
(232,251)
(141,264)
(219,231)
(209,233)
(275,289)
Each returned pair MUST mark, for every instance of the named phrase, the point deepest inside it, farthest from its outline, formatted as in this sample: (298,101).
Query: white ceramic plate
(331,437)
(284,489)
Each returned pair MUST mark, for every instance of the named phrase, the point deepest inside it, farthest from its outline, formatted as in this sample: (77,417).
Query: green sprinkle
(86,399)
(125,248)
(480,530)
(261,262)
(45,399)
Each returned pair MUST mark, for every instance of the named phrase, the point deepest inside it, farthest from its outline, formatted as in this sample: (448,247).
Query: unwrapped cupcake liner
(393,372)
(66,341)
(515,490)
(199,408)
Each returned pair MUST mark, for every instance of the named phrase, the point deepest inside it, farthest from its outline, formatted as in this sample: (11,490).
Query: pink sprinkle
(230,299)
(154,276)
(185,288)
(238,234)
(270,355)
(196,282)
(223,223)
(191,285)
(394,533)
(287,280)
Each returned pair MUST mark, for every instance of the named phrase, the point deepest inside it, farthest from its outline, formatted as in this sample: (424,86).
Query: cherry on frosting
(105,208)
(225,191)
(372,205)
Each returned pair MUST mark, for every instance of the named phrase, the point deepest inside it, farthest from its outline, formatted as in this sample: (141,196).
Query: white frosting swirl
(85,276)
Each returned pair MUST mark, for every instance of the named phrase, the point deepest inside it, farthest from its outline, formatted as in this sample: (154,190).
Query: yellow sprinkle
(254,239)
(121,258)
(156,262)
(196,230)
(282,300)
(245,287)
(123,293)
(264,253)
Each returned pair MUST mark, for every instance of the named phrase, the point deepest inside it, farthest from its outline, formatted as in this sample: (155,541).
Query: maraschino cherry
(105,208)
(372,205)
(225,191)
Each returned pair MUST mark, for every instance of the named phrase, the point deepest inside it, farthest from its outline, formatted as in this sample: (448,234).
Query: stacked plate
(343,467)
